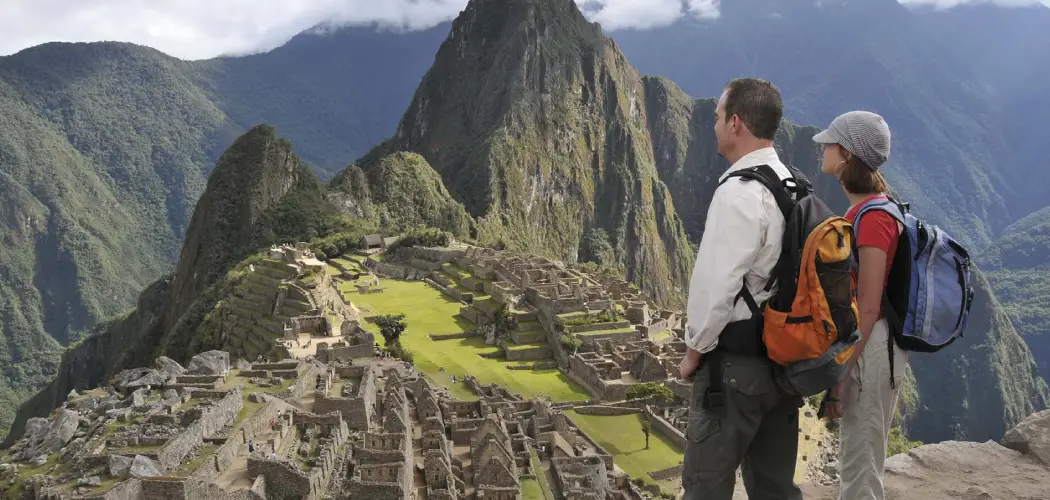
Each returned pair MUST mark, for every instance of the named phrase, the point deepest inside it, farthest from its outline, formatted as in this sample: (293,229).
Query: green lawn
(426,311)
(530,490)
(622,436)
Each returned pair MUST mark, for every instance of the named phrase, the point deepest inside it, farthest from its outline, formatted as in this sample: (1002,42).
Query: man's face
(722,132)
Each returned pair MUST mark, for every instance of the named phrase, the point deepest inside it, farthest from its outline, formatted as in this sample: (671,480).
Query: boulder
(209,363)
(145,467)
(119,466)
(122,379)
(138,398)
(52,437)
(241,364)
(35,425)
(171,395)
(169,367)
(72,395)
(1031,437)
(152,379)
(38,461)
(93,481)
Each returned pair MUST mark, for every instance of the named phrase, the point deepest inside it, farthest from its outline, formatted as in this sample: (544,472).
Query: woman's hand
(833,404)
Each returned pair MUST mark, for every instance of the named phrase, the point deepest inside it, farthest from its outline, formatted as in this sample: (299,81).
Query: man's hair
(757,103)
(857,178)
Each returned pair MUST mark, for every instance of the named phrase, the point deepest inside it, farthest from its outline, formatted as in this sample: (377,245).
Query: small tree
(661,393)
(390,327)
(647,427)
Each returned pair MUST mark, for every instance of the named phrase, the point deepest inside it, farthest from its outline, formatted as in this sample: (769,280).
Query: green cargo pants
(756,426)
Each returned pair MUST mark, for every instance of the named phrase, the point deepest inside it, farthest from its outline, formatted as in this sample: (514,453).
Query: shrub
(425,237)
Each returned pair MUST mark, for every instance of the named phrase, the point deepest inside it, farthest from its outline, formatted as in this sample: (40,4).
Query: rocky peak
(537,124)
(256,172)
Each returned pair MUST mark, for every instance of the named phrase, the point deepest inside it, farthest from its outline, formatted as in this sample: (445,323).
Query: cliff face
(546,140)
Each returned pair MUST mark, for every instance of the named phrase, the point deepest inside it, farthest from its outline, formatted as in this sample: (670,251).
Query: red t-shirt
(879,229)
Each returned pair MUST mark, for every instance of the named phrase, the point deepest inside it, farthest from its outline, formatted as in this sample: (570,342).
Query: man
(744,419)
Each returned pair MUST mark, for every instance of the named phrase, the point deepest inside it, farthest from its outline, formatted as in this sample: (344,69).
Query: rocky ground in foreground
(1017,468)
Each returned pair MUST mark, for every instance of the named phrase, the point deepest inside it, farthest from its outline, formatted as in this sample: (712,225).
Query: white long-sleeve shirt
(742,236)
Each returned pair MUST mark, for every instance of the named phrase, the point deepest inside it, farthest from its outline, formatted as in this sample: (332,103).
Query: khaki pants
(756,427)
(869,405)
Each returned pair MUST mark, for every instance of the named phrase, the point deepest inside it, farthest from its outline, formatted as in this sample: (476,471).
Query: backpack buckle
(713,400)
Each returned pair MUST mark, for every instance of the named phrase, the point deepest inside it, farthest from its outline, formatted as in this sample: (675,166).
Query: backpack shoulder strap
(769,178)
(889,206)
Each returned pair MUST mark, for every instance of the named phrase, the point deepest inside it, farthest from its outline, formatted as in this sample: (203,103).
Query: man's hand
(689,364)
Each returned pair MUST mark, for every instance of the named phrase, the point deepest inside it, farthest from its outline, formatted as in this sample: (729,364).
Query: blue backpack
(929,291)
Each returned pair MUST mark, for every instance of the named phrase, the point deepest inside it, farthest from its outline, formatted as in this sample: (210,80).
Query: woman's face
(834,160)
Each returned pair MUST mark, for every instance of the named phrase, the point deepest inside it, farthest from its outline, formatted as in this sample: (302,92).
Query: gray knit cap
(863,133)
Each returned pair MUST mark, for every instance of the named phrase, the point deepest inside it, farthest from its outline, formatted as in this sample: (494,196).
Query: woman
(856,145)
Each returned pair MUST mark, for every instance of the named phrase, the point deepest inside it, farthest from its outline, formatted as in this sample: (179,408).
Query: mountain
(98,173)
(335,92)
(259,194)
(1019,270)
(951,133)
(531,130)
(104,152)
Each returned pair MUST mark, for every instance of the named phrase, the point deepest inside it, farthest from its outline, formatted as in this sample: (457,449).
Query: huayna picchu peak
(451,263)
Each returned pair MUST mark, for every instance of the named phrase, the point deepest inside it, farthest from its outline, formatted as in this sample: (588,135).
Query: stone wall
(127,490)
(607,410)
(281,365)
(164,488)
(284,481)
(286,374)
(209,394)
(655,327)
(255,374)
(668,473)
(534,354)
(593,327)
(665,428)
(379,482)
(213,419)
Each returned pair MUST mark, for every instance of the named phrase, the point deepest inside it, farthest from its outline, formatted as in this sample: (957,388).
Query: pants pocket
(702,427)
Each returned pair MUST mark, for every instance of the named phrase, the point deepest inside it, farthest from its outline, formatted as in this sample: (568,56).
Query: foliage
(899,443)
(571,341)
(595,247)
(391,327)
(606,316)
(400,352)
(654,390)
(401,192)
(347,238)
(424,237)
(503,321)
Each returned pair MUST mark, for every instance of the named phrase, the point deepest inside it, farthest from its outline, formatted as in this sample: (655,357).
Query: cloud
(196,29)
(953,3)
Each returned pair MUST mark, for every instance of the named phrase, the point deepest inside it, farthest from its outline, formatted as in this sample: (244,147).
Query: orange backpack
(809,326)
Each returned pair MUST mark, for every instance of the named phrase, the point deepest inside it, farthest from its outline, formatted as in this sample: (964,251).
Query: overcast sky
(195,29)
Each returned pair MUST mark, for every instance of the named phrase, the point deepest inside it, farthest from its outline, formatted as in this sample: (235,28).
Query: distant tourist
(855,146)
(273,455)
(251,447)
(747,420)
